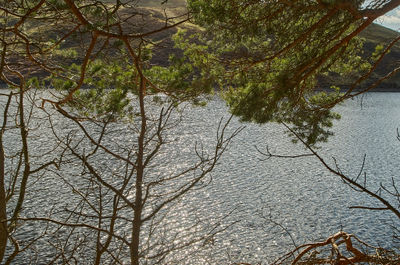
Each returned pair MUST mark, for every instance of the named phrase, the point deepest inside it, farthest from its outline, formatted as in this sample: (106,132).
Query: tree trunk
(3,215)
(137,219)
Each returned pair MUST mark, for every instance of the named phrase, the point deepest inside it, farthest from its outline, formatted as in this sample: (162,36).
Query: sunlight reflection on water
(298,194)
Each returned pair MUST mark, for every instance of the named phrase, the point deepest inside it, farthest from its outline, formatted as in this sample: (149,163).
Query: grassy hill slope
(152,14)
(376,34)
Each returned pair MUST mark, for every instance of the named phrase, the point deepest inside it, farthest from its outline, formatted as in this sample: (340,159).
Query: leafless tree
(120,184)
(344,248)
(111,167)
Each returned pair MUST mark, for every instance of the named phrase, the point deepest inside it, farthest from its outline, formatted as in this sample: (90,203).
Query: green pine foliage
(272,54)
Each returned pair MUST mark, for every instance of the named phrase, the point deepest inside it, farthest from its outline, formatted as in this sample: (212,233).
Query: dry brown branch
(330,252)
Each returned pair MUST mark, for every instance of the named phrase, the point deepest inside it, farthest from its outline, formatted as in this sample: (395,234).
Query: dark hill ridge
(379,34)
(155,18)
(375,35)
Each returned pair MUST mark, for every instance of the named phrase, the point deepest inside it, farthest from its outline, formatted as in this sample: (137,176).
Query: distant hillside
(374,35)
(151,15)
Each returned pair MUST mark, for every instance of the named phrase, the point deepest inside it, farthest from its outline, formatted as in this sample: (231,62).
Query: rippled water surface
(299,194)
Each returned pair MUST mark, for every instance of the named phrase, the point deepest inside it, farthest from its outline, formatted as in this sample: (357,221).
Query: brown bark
(3,200)
(3,216)
(137,219)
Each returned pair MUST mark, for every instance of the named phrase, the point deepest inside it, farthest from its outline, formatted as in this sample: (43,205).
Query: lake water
(299,194)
